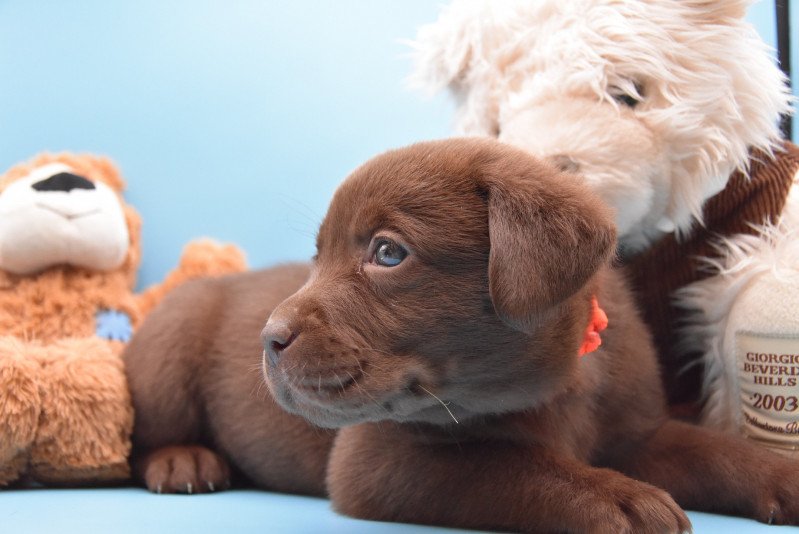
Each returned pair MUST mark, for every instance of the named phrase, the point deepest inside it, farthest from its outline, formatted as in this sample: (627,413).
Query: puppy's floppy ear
(549,235)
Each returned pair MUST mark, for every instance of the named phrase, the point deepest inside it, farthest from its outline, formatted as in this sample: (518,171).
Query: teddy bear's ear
(445,50)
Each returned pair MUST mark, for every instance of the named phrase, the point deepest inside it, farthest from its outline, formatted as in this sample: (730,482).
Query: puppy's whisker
(302,231)
(303,220)
(341,387)
(362,390)
(376,351)
(257,389)
(360,367)
(260,394)
(444,404)
(256,368)
(310,214)
(364,373)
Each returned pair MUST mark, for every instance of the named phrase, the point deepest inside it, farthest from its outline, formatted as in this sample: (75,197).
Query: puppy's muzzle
(276,336)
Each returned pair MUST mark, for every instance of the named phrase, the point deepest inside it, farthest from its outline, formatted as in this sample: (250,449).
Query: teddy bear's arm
(200,258)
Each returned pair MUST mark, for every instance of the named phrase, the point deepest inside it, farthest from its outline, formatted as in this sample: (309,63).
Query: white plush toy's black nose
(63,181)
(565,163)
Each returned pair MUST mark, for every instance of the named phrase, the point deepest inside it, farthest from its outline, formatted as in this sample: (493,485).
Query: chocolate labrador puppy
(440,330)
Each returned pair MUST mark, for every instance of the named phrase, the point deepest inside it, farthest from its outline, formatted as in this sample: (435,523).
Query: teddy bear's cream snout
(54,216)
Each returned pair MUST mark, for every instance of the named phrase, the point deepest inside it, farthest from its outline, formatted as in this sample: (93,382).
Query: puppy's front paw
(778,502)
(626,505)
(184,469)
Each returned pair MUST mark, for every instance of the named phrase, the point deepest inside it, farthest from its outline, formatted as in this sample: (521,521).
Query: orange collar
(598,322)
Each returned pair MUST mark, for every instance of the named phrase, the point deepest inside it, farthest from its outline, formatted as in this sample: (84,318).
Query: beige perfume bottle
(768,397)
(751,341)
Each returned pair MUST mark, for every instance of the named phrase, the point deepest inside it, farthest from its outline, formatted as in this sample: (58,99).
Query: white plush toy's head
(654,102)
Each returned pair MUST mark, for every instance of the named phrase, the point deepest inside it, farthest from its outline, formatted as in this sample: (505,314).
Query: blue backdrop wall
(232,119)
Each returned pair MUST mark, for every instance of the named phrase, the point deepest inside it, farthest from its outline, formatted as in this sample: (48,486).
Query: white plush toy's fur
(547,75)
(654,102)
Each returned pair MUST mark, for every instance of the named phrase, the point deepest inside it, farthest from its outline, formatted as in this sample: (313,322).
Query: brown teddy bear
(69,251)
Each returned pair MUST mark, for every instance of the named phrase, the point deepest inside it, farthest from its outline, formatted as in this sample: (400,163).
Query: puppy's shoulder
(207,299)
(270,277)
(627,362)
(271,281)
(264,288)
(615,295)
(626,331)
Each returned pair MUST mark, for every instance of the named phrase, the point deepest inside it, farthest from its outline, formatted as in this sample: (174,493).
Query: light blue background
(232,119)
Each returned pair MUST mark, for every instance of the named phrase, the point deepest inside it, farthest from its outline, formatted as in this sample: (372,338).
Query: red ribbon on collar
(597,323)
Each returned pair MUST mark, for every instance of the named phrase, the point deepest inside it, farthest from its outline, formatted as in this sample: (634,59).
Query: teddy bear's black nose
(63,181)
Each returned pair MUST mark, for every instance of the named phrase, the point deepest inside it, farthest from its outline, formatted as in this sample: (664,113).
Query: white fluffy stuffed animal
(669,109)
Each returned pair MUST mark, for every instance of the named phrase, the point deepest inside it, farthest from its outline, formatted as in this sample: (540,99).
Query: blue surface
(130,510)
(123,511)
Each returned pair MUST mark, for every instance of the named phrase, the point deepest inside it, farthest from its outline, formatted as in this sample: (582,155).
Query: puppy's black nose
(63,181)
(276,336)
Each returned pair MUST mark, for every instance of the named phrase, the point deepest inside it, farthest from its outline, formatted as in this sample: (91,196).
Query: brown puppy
(440,330)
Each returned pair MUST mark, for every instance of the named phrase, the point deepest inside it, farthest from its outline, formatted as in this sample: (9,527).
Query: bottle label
(768,372)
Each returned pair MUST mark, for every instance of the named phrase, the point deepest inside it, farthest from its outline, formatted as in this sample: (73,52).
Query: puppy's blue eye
(389,253)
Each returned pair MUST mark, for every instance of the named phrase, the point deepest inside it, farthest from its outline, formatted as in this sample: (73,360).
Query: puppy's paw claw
(184,469)
(215,486)
(634,506)
(777,497)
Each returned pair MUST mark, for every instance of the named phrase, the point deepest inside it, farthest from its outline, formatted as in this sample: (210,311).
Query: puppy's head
(451,281)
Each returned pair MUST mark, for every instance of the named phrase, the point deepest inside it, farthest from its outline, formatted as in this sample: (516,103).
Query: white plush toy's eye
(625,98)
